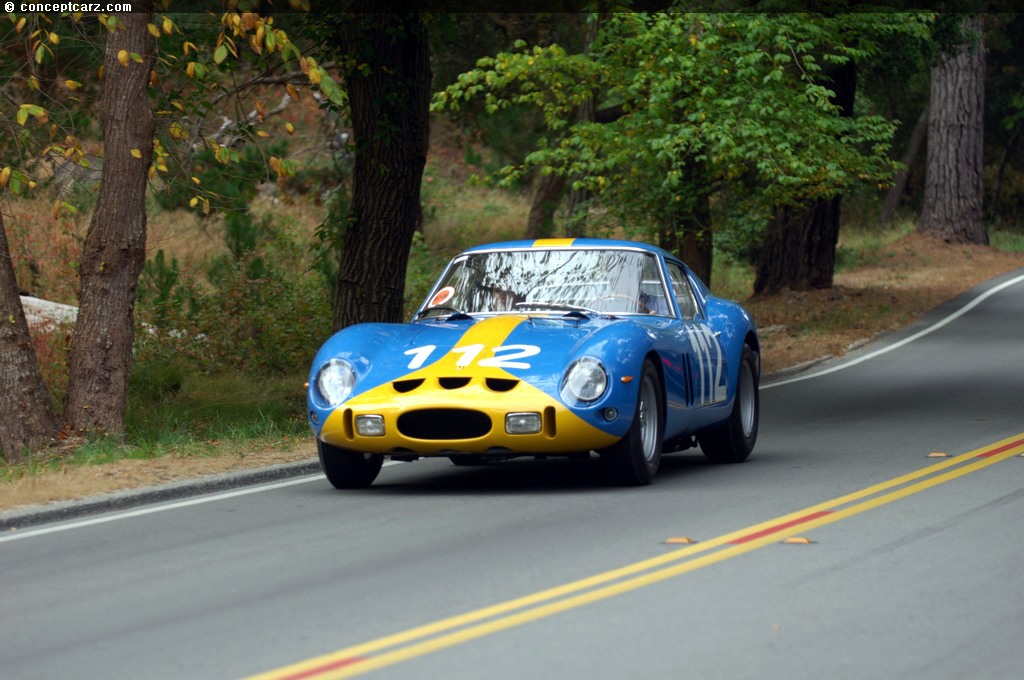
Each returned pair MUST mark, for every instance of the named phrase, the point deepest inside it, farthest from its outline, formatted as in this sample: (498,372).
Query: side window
(682,290)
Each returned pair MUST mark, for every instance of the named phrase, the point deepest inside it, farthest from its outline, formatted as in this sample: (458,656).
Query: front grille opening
(452,383)
(500,384)
(404,386)
(444,423)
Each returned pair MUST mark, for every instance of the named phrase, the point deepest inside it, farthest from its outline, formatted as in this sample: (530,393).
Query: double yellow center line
(455,630)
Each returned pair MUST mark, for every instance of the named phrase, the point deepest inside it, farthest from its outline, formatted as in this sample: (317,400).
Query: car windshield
(551,281)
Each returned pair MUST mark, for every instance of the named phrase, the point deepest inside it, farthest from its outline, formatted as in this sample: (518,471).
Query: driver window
(682,290)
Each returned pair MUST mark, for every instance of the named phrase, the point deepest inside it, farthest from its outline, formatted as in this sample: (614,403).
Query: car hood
(536,349)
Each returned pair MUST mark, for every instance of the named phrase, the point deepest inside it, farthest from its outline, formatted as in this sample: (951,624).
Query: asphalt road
(905,565)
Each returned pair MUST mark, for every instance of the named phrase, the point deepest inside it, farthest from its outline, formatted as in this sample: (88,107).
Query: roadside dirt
(902,281)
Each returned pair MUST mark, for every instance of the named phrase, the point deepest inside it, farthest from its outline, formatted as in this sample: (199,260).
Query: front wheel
(348,469)
(634,459)
(733,440)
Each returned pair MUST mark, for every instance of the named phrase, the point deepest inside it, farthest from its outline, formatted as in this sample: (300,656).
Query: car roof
(562,243)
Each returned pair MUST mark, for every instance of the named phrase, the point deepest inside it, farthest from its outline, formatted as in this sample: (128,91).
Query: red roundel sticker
(442,296)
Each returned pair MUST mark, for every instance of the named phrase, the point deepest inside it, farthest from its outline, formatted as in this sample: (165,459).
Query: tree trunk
(115,245)
(390,125)
(892,197)
(27,417)
(800,245)
(580,197)
(799,251)
(953,182)
(541,221)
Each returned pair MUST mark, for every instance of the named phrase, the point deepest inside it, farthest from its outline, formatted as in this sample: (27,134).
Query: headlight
(335,381)
(586,380)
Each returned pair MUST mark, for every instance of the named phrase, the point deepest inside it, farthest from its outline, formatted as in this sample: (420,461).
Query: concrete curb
(131,498)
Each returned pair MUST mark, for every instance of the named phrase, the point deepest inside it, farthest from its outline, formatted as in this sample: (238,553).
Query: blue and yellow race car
(543,348)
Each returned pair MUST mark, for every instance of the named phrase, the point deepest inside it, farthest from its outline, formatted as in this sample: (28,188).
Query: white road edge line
(14,535)
(905,341)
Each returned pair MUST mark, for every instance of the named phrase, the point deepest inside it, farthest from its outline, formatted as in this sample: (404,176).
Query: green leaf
(220,54)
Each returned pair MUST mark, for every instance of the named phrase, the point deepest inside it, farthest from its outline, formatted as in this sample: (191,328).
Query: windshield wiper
(455,313)
(574,310)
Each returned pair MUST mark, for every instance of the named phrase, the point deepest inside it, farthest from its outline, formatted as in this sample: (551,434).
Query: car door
(704,361)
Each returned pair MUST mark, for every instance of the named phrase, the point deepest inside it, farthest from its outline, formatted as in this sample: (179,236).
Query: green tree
(722,112)
(142,116)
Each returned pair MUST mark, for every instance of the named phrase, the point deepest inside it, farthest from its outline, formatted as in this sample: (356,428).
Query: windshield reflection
(551,281)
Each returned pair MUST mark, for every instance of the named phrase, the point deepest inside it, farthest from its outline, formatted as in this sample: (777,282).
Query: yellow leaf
(196,179)
(31,184)
(136,153)
(292,92)
(123,57)
(290,128)
(153,30)
(152,171)
(263,133)
(5,175)
(72,84)
(167,25)
(56,209)
(53,38)
(194,202)
(20,25)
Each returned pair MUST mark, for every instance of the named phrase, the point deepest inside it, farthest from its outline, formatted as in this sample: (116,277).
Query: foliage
(266,325)
(742,97)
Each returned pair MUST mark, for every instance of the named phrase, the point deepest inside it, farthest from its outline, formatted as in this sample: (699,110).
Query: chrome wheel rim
(745,395)
(648,414)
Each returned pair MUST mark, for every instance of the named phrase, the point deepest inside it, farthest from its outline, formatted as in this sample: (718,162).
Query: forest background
(303,171)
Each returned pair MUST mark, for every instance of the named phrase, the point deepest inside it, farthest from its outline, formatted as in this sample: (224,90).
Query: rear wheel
(733,440)
(634,459)
(348,469)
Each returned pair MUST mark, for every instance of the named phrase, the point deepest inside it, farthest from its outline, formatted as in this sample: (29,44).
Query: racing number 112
(510,354)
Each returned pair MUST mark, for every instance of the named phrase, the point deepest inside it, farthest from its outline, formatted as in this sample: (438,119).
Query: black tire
(733,441)
(348,469)
(634,459)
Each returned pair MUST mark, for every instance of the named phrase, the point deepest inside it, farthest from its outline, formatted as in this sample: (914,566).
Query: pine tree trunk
(390,124)
(115,245)
(27,417)
(800,245)
(953,183)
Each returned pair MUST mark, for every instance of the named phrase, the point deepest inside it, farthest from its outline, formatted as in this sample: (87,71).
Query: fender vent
(452,383)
